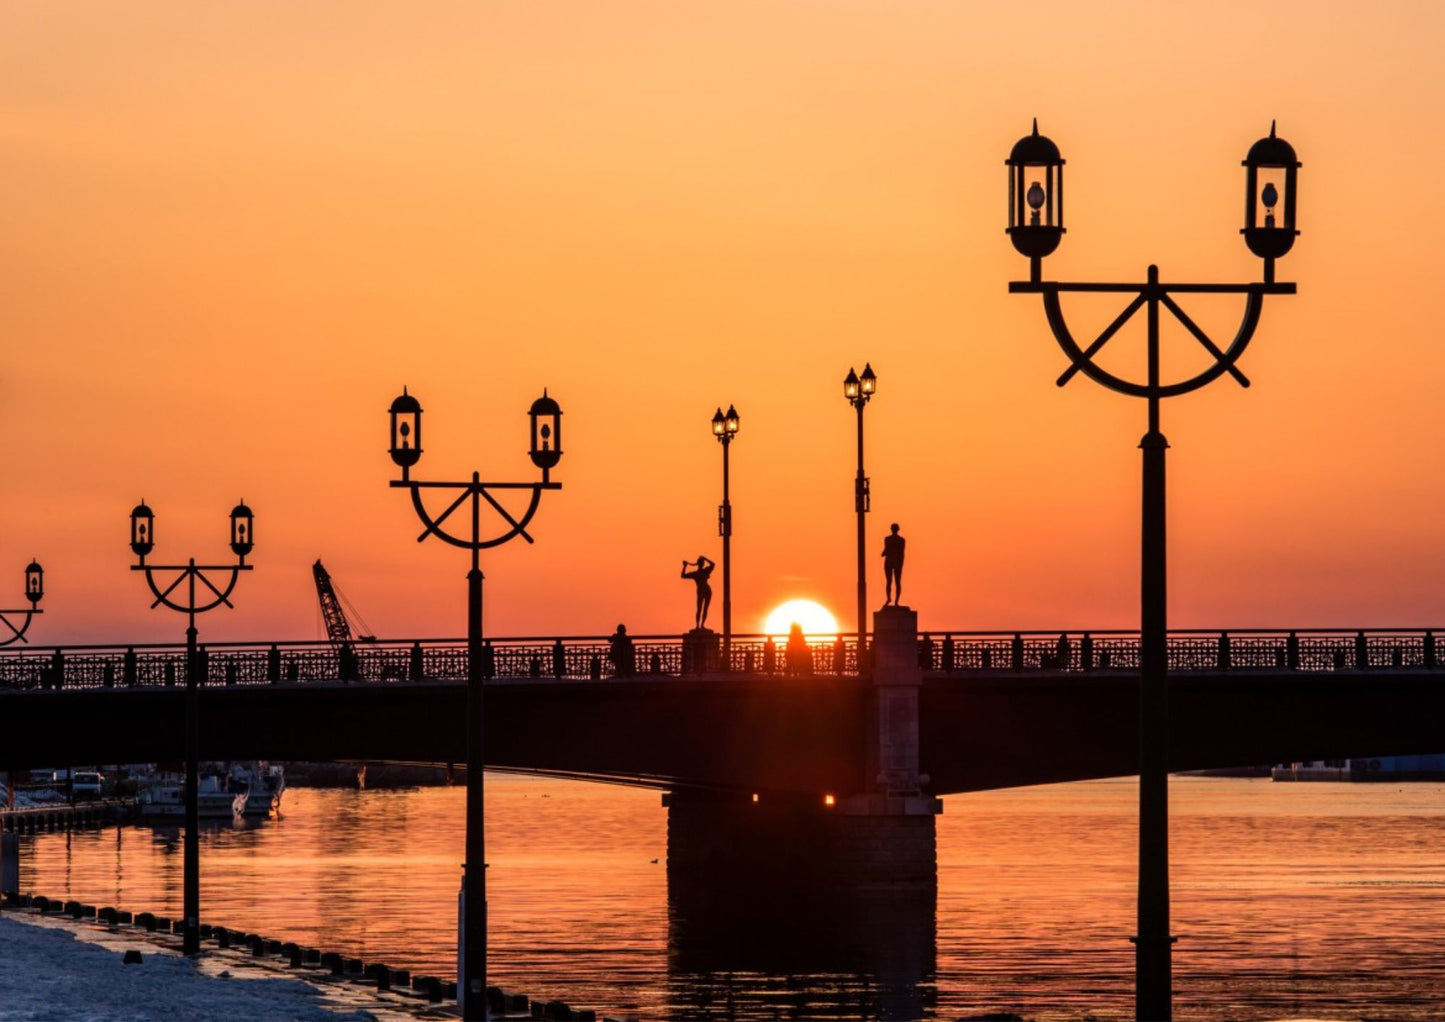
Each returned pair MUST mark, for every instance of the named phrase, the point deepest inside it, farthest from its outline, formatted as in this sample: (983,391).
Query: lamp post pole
(191,854)
(1036,182)
(546,450)
(725,427)
(858,390)
(34,590)
(473,990)
(142,540)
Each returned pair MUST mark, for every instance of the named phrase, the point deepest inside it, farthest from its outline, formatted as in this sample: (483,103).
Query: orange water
(1290,901)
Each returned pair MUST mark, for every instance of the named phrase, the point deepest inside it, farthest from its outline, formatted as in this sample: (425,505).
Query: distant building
(1375,768)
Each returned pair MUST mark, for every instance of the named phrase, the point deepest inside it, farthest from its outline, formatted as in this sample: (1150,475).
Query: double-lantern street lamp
(1036,226)
(858,389)
(546,451)
(34,590)
(725,427)
(180,593)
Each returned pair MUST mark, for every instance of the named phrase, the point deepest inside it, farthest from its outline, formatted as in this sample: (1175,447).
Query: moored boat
(263,783)
(165,797)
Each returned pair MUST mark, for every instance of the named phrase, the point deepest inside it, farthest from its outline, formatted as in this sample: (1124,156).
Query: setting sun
(813,616)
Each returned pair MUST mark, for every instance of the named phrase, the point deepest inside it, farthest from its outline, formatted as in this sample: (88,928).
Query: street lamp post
(546,451)
(1036,226)
(184,577)
(725,427)
(858,390)
(34,590)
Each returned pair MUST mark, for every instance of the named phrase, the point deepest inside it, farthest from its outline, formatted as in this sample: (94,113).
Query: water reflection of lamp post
(34,590)
(1036,181)
(725,427)
(142,540)
(858,390)
(546,451)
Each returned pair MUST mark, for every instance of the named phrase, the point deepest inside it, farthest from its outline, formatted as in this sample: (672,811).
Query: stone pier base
(783,840)
(784,887)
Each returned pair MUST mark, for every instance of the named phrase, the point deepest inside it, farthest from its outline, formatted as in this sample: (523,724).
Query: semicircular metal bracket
(1081,360)
(185,571)
(17,634)
(474,491)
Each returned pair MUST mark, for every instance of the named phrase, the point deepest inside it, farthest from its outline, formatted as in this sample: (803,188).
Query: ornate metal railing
(593,657)
(1307,649)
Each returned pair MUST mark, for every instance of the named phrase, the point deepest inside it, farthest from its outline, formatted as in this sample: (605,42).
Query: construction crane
(338,612)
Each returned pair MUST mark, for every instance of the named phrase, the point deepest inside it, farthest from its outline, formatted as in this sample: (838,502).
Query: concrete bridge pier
(826,881)
(883,835)
(891,825)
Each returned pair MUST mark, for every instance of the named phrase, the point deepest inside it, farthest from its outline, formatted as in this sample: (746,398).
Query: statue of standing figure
(702,571)
(893,566)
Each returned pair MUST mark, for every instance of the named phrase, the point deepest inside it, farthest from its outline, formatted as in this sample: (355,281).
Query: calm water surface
(1321,901)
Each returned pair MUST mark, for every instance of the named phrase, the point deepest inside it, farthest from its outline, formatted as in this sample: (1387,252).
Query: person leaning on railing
(621,653)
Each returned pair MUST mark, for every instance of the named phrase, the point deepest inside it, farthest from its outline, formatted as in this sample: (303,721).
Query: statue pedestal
(701,651)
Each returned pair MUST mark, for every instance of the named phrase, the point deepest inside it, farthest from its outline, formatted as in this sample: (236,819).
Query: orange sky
(230,233)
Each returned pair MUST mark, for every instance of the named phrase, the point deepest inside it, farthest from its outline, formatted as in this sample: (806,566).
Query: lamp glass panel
(142,530)
(1038,198)
(1270,183)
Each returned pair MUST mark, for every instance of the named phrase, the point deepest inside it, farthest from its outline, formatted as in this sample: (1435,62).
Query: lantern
(546,418)
(242,529)
(868,382)
(858,389)
(1035,195)
(142,530)
(1270,173)
(34,582)
(731,421)
(719,424)
(405,430)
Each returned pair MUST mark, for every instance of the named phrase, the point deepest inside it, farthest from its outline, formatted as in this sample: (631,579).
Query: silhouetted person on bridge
(925,652)
(621,654)
(797,656)
(700,574)
(893,566)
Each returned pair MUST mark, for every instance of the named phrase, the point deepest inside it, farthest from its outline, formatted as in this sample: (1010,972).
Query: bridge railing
(1304,649)
(591,657)
(572,657)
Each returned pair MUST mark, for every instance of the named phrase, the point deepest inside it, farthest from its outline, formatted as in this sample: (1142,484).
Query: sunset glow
(816,619)
(797,281)
(248,230)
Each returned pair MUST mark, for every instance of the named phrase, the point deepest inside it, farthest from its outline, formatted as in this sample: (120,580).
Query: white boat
(166,797)
(263,783)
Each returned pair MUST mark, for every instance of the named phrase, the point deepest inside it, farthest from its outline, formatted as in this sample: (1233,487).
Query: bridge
(995,709)
(771,750)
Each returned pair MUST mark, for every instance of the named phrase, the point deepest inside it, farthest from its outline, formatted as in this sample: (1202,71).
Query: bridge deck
(978,728)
